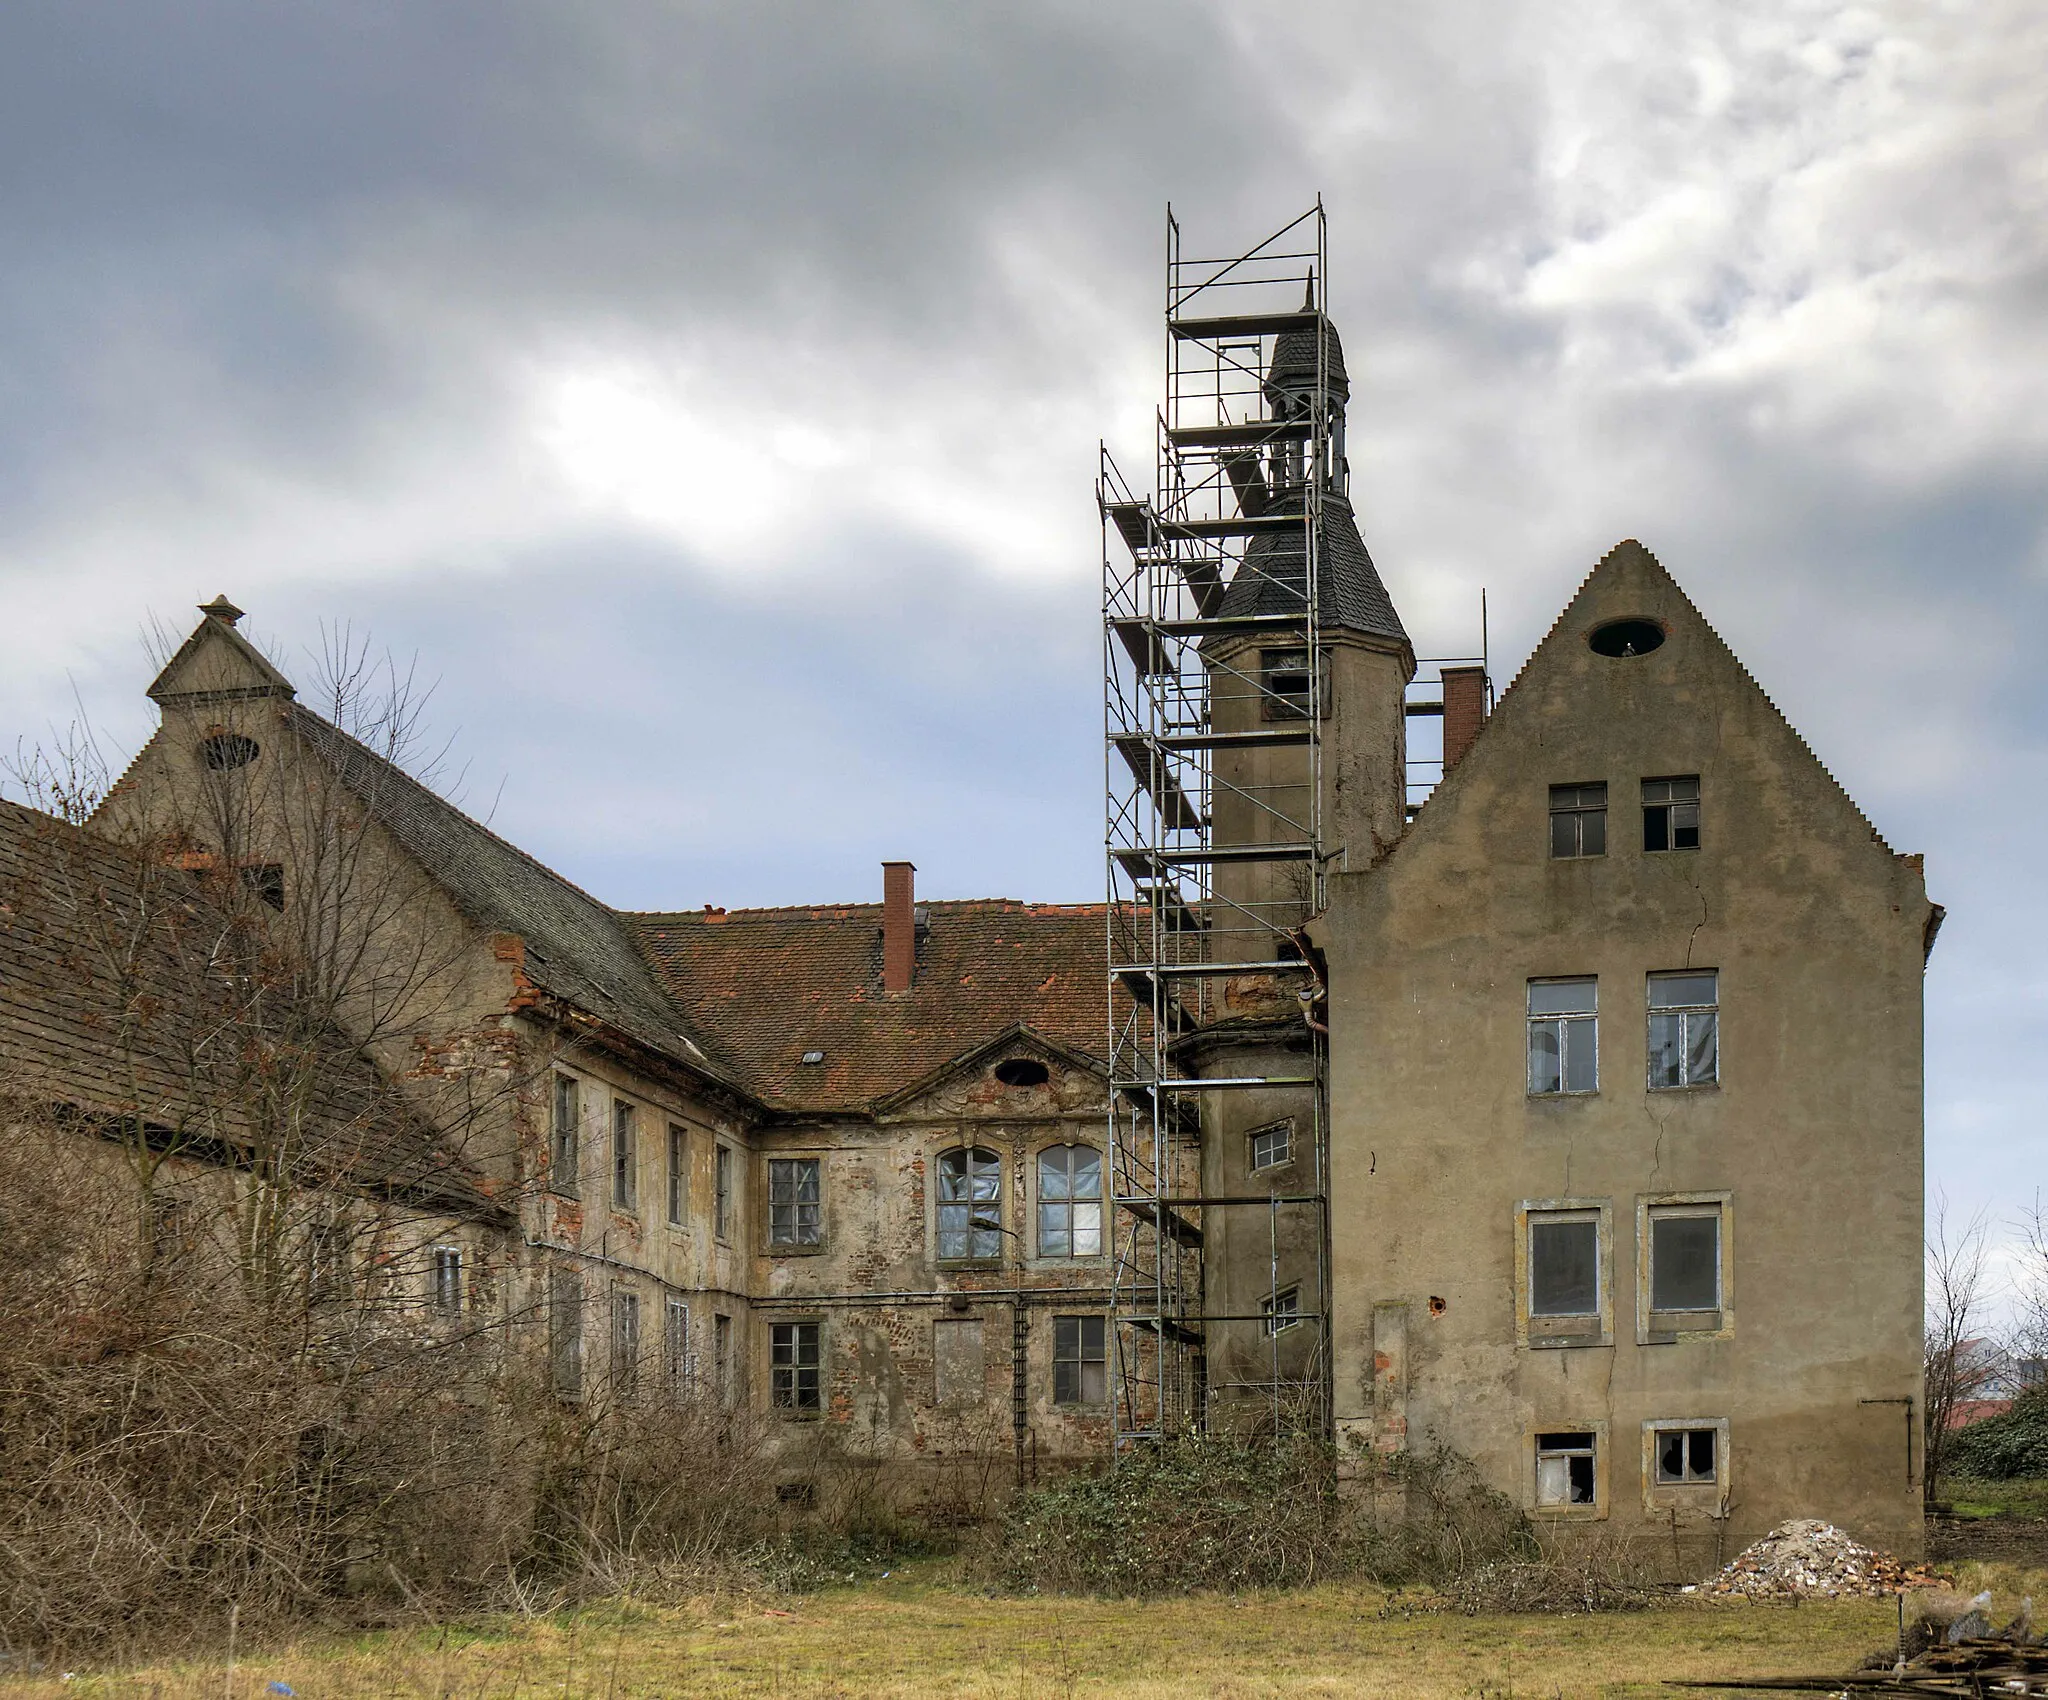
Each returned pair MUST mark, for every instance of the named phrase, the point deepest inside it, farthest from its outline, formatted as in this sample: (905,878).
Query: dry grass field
(919,1633)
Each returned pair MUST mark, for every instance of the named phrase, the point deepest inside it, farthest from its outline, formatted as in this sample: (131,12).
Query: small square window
(1080,1360)
(1284,683)
(1280,1312)
(1564,1469)
(794,1360)
(1671,813)
(1681,1456)
(793,1203)
(1564,1037)
(1271,1145)
(1685,1030)
(1578,820)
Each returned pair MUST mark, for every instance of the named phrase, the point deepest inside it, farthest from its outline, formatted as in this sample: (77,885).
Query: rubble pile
(1809,1559)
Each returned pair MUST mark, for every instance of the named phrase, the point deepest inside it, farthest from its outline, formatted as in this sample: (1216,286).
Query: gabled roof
(765,986)
(216,663)
(576,947)
(106,1007)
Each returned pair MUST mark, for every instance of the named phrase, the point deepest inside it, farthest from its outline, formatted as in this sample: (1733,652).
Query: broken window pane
(1281,1312)
(1671,814)
(1685,1261)
(1564,1469)
(793,1215)
(1687,1455)
(970,1204)
(1564,1266)
(1684,1036)
(1564,1037)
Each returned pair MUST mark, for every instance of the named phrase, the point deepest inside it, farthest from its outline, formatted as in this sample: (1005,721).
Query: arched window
(1070,1201)
(970,1205)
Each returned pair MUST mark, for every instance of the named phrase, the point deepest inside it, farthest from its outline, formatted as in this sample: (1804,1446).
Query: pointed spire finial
(221,609)
(1308,301)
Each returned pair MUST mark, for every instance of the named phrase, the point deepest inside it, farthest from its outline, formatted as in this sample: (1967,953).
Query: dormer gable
(216,664)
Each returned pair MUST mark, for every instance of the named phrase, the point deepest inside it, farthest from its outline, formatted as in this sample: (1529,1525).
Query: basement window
(225,751)
(1620,638)
(1564,1468)
(1022,1071)
(1578,820)
(1080,1360)
(1671,813)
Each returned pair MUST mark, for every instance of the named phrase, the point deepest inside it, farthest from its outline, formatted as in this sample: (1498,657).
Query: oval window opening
(1626,637)
(225,750)
(1023,1071)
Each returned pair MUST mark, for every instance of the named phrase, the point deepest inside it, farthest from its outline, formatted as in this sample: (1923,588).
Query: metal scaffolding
(1212,668)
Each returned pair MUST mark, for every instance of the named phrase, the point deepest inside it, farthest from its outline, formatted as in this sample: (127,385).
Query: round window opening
(1023,1071)
(225,750)
(1626,637)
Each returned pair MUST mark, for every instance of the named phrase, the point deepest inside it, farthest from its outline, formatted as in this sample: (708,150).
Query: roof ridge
(825,911)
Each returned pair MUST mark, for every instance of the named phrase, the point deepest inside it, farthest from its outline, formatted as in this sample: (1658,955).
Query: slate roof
(766,985)
(105,1006)
(1274,576)
(576,947)
(1293,367)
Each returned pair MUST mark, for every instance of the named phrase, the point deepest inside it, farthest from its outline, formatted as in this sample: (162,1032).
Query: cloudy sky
(708,395)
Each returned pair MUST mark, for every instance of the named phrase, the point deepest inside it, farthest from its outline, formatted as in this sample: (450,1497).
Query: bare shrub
(1957,1366)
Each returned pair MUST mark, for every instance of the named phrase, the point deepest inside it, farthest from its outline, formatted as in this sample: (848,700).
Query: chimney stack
(1464,711)
(899,925)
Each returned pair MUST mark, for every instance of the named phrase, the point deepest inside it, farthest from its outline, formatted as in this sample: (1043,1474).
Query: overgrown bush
(2003,1447)
(1201,1512)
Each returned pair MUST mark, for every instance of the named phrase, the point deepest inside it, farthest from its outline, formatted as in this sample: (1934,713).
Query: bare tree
(1957,1364)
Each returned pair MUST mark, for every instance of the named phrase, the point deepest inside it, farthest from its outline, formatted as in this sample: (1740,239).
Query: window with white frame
(1080,1360)
(445,1279)
(1685,1266)
(795,1362)
(970,1205)
(563,1142)
(1564,1036)
(793,1204)
(1565,1468)
(1578,820)
(1280,1312)
(1683,1456)
(1070,1201)
(675,1344)
(1685,1040)
(1271,1146)
(1671,813)
(625,1155)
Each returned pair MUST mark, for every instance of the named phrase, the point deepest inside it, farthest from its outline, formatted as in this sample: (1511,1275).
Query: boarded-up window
(959,1362)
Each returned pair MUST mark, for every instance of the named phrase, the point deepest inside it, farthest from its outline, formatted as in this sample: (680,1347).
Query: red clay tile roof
(763,986)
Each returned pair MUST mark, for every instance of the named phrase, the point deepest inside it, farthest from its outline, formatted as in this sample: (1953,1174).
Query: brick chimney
(899,925)
(1464,711)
